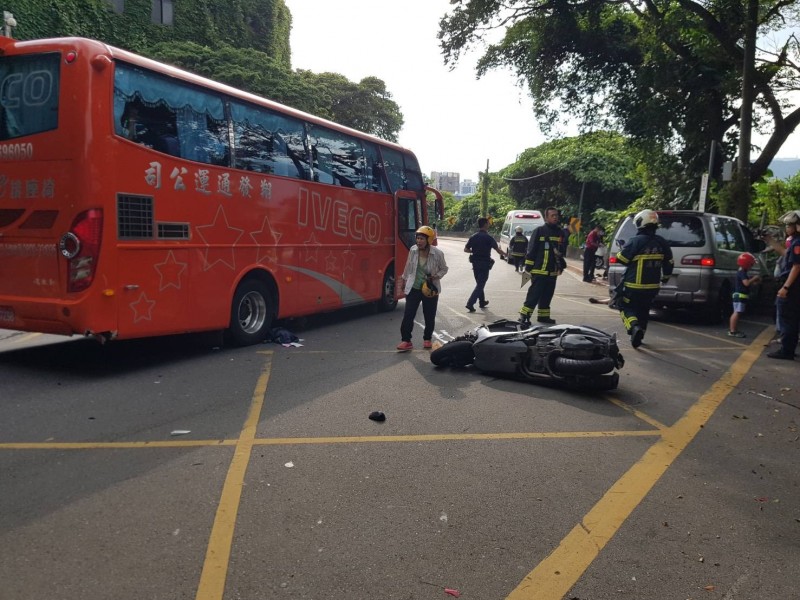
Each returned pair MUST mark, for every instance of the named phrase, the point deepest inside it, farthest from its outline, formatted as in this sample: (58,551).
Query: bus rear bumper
(41,316)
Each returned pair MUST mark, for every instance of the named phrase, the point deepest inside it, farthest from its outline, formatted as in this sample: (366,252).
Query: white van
(527,219)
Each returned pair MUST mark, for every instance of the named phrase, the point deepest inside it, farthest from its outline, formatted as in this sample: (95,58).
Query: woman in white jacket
(421,282)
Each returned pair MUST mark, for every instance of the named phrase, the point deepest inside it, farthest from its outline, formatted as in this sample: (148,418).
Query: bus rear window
(28,94)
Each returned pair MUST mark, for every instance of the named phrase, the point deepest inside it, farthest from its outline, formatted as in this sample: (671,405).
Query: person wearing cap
(479,246)
(517,247)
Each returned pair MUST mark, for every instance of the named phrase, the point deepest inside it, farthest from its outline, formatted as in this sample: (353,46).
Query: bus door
(408,209)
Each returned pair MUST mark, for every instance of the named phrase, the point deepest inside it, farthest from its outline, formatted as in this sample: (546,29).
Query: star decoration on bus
(221,240)
(266,239)
(142,308)
(330,263)
(312,248)
(348,258)
(170,272)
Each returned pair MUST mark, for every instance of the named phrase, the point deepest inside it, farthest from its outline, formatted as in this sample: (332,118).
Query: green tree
(595,170)
(669,71)
(366,106)
(775,197)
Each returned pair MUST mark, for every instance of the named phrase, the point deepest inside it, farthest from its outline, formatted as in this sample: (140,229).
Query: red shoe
(427,344)
(405,346)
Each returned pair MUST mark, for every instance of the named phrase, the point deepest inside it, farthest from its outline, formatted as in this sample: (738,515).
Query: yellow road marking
(447,437)
(559,572)
(637,413)
(437,437)
(215,567)
(109,445)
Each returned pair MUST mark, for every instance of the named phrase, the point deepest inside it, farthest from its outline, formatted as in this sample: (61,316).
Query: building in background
(468,187)
(445,182)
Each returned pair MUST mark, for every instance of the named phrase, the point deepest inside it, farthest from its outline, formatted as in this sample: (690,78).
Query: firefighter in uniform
(648,261)
(544,261)
(517,247)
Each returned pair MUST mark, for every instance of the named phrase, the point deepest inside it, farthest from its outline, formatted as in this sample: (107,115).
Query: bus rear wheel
(387,302)
(251,313)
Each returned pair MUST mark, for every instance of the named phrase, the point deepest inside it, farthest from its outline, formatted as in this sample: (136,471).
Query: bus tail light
(698,260)
(81,246)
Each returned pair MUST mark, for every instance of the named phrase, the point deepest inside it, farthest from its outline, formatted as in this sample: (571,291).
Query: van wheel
(252,311)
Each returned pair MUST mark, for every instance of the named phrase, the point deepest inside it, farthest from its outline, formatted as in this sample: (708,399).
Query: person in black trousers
(517,247)
(788,297)
(647,259)
(480,246)
(545,262)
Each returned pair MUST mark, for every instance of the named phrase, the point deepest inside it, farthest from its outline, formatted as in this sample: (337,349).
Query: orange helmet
(746,260)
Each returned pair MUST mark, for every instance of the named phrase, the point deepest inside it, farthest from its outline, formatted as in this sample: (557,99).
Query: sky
(453,121)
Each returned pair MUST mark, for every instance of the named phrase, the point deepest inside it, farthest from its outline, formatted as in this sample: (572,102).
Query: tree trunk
(742,191)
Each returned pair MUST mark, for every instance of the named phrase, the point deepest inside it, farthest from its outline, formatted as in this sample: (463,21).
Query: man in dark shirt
(479,246)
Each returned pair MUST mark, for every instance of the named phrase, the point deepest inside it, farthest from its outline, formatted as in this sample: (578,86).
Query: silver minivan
(528,219)
(705,247)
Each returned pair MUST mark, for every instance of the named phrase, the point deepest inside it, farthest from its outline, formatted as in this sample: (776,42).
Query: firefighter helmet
(791,218)
(518,229)
(645,218)
(428,233)
(746,260)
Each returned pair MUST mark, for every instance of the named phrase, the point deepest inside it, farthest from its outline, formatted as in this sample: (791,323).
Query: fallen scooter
(579,356)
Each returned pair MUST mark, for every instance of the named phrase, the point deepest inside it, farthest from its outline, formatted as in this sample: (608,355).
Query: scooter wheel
(453,354)
(575,366)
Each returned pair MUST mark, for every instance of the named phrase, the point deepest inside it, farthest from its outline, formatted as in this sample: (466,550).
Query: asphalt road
(172,468)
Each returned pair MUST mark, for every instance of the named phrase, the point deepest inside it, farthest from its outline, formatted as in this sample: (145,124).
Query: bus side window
(322,165)
(373,174)
(167,142)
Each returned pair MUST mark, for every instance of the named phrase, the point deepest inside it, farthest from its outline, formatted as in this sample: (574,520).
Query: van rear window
(680,231)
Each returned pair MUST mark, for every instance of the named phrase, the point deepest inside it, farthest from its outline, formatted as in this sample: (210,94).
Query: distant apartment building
(445,182)
(468,187)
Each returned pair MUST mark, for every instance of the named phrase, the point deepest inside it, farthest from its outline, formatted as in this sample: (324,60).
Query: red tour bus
(137,200)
